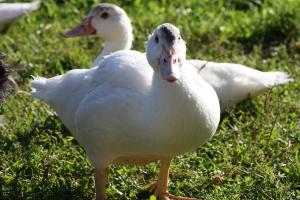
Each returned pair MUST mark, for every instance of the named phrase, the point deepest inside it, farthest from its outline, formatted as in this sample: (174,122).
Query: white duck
(128,112)
(233,83)
(12,11)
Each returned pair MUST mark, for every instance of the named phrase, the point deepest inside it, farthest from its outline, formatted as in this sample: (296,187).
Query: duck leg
(161,190)
(161,185)
(101,178)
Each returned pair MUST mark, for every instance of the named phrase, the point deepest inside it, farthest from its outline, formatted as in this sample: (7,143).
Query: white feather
(232,82)
(123,109)
(13,11)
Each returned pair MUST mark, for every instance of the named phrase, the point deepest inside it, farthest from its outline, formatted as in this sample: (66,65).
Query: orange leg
(161,190)
(101,178)
(161,185)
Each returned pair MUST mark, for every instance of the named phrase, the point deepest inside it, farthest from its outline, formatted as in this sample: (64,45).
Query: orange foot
(168,196)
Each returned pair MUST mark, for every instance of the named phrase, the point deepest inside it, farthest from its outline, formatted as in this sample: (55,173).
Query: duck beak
(83,29)
(169,65)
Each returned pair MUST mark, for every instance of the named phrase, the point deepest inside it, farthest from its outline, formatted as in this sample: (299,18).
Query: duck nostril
(165,61)
(174,61)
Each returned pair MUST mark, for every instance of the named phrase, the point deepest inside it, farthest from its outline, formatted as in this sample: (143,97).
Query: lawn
(255,151)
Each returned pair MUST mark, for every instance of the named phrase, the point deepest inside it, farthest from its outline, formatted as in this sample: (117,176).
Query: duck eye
(156,39)
(179,38)
(104,15)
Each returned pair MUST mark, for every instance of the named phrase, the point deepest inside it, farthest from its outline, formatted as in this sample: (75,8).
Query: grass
(255,152)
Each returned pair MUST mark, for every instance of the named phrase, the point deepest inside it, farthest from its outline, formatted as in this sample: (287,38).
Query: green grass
(255,152)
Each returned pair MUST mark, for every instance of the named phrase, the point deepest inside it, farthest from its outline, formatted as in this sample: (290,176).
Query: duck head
(107,21)
(166,51)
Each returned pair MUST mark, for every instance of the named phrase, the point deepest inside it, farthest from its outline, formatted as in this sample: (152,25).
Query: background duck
(7,83)
(10,12)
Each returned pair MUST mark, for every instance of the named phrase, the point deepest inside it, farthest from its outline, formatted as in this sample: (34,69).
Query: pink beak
(83,29)
(169,66)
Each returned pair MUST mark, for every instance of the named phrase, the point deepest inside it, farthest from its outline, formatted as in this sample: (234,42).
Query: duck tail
(35,5)
(39,87)
(280,78)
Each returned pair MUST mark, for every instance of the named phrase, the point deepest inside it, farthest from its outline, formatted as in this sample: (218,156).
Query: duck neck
(191,91)
(185,113)
(170,94)
(122,43)
(120,40)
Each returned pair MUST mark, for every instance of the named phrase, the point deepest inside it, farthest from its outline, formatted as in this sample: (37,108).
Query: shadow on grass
(36,131)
